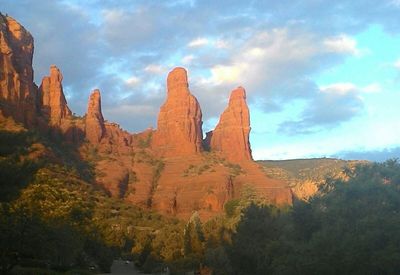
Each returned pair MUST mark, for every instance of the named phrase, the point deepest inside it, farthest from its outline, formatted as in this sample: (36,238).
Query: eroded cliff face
(231,135)
(179,127)
(18,93)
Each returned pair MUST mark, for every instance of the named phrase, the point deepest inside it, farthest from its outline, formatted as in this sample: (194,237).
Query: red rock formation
(179,131)
(17,90)
(231,136)
(129,166)
(53,102)
(95,128)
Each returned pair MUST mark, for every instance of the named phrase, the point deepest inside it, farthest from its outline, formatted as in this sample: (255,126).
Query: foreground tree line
(54,221)
(351,227)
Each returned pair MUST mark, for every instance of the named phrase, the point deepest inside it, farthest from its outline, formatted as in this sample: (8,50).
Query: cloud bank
(272,48)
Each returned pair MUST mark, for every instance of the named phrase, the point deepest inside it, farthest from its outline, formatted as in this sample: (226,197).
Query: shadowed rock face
(231,136)
(95,129)
(53,102)
(17,90)
(179,131)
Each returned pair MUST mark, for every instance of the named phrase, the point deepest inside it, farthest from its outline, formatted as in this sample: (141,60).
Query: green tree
(193,237)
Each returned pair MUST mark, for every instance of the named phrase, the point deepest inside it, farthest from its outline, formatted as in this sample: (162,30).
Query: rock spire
(179,128)
(231,135)
(53,102)
(95,128)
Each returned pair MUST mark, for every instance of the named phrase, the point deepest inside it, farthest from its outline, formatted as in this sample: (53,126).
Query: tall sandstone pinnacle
(231,135)
(53,102)
(94,124)
(17,90)
(179,127)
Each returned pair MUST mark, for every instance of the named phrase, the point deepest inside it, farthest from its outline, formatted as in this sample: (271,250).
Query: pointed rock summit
(95,128)
(179,131)
(17,90)
(53,102)
(231,136)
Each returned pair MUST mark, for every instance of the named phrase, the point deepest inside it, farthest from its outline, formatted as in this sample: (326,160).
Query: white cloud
(255,52)
(265,59)
(187,59)
(227,74)
(372,88)
(155,69)
(221,44)
(397,63)
(132,81)
(343,88)
(113,15)
(132,110)
(198,42)
(395,3)
(339,88)
(341,44)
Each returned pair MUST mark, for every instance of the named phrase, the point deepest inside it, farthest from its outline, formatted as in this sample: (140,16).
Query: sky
(322,77)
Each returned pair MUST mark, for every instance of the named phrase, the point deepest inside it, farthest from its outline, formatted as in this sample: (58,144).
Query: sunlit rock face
(94,123)
(231,136)
(179,127)
(53,102)
(17,90)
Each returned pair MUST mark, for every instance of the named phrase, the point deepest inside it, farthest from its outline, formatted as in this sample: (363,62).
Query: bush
(231,206)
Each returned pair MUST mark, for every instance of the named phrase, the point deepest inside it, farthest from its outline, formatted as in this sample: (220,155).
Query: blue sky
(322,78)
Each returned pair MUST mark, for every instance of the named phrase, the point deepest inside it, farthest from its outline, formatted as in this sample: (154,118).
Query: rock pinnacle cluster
(171,169)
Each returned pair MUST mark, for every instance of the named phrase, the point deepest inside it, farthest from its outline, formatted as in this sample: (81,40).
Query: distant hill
(306,175)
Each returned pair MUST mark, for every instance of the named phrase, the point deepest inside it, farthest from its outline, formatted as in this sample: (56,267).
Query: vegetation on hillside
(350,227)
(53,219)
